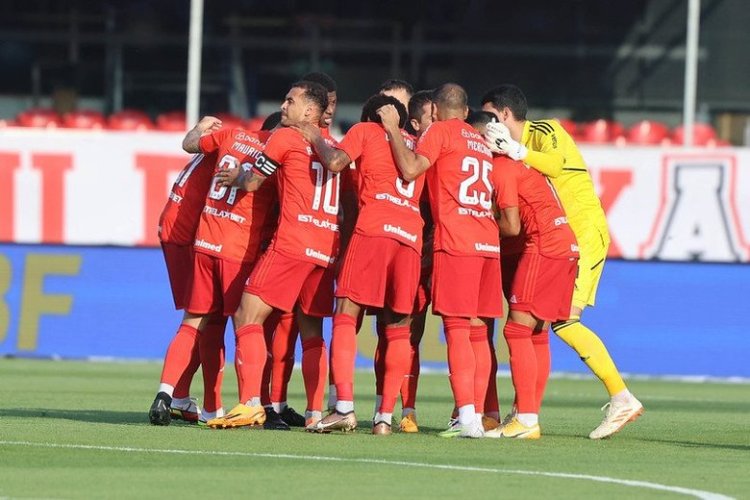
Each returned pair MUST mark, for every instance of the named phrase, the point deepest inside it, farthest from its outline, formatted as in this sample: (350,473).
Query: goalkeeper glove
(501,142)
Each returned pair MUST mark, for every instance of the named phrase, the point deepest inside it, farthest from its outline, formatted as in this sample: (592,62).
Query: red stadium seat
(39,118)
(255,123)
(130,119)
(703,134)
(85,119)
(174,121)
(601,131)
(229,120)
(648,132)
(569,125)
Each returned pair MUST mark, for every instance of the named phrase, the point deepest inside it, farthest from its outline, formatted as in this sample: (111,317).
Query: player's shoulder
(286,134)
(545,127)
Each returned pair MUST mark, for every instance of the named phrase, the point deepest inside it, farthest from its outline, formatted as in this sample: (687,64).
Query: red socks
(282,356)
(411,380)
(314,364)
(540,339)
(379,359)
(523,366)
(397,356)
(343,355)
(181,361)
(211,346)
(483,360)
(250,360)
(461,362)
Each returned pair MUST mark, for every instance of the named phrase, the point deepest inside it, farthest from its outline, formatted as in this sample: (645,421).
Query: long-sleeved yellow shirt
(553,152)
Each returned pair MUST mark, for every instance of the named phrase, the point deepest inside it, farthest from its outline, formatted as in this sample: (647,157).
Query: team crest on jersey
(698,217)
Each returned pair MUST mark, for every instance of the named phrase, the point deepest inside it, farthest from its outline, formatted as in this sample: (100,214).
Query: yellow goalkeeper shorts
(593,245)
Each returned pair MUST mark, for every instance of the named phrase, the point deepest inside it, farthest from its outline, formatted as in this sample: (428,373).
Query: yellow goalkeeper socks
(592,352)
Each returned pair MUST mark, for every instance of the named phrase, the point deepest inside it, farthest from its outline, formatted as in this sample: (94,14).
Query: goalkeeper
(547,147)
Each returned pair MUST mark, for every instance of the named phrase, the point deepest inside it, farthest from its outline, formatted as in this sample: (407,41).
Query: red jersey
(459,188)
(544,226)
(178,221)
(388,205)
(232,225)
(308,196)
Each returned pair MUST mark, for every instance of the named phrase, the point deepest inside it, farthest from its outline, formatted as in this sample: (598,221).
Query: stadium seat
(86,119)
(39,118)
(229,120)
(173,121)
(255,123)
(648,132)
(703,134)
(601,131)
(569,125)
(130,119)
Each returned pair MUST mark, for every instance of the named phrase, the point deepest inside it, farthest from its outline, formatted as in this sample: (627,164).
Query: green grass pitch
(80,430)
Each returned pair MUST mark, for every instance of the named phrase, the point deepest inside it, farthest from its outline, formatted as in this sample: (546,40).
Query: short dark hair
(480,118)
(510,96)
(314,92)
(450,96)
(417,102)
(271,121)
(394,84)
(321,78)
(370,109)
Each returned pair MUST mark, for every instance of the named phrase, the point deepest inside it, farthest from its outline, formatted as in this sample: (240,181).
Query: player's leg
(540,341)
(378,360)
(181,359)
(396,360)
(483,359)
(623,406)
(211,347)
(491,402)
(343,356)
(274,283)
(517,332)
(411,380)
(282,358)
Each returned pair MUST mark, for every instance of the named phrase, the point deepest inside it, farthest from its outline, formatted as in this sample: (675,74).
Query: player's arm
(250,180)
(509,222)
(332,158)
(409,163)
(549,160)
(191,142)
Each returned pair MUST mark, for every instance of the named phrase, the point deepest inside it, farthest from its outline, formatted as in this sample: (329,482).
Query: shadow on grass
(95,416)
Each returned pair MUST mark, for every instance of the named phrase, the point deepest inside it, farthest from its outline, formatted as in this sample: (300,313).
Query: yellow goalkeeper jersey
(554,153)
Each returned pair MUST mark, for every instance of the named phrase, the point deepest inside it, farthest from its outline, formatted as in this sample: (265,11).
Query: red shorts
(539,285)
(466,286)
(179,260)
(379,272)
(282,281)
(217,285)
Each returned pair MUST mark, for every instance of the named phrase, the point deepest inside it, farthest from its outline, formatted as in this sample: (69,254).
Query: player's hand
(389,116)
(227,177)
(500,141)
(309,131)
(208,124)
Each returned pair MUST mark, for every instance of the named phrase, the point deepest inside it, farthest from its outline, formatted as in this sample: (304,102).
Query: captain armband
(264,166)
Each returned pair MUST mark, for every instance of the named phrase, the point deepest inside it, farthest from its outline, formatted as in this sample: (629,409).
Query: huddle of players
(241,263)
